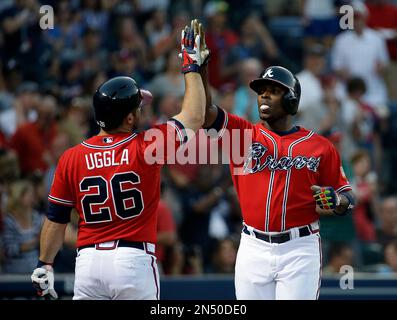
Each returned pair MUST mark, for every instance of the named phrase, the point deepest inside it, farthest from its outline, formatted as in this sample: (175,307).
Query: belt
(110,245)
(281,237)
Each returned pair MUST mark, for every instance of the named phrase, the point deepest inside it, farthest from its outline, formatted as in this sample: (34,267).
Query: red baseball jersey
(273,182)
(113,183)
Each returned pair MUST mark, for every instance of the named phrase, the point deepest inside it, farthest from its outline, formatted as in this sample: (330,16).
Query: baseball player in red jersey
(116,192)
(289,176)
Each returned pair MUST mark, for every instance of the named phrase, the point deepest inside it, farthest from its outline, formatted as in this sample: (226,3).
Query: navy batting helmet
(115,99)
(285,78)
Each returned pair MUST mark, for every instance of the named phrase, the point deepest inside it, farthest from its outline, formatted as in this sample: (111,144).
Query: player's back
(114,190)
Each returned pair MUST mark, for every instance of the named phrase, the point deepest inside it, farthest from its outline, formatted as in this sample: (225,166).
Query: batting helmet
(285,78)
(115,99)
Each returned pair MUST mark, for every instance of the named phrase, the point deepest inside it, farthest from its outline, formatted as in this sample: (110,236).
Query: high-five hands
(204,51)
(190,50)
(194,51)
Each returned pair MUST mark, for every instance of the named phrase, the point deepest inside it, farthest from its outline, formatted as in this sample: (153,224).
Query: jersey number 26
(119,195)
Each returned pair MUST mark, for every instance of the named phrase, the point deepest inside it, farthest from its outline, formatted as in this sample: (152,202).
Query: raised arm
(193,106)
(211,111)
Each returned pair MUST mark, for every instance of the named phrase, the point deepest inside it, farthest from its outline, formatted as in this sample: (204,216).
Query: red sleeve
(61,191)
(331,171)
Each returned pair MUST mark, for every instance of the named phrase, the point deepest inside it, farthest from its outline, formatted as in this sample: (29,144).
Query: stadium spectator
(18,110)
(318,107)
(9,172)
(22,41)
(382,16)
(365,188)
(161,38)
(198,205)
(33,139)
(129,40)
(77,120)
(180,259)
(22,225)
(224,256)
(245,104)
(171,81)
(387,227)
(320,21)
(67,31)
(390,254)
(220,39)
(339,255)
(166,230)
(360,123)
(361,52)
(95,14)
(255,41)
(92,56)
(345,225)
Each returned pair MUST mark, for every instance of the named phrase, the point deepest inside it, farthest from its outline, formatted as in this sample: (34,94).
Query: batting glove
(326,197)
(43,281)
(190,44)
(204,51)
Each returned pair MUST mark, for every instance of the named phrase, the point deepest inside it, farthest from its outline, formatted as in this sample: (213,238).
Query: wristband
(190,68)
(42,263)
(349,207)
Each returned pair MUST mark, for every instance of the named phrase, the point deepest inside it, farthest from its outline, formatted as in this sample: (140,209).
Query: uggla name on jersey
(105,159)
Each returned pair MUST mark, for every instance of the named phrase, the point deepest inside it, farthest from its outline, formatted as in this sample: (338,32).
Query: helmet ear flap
(290,102)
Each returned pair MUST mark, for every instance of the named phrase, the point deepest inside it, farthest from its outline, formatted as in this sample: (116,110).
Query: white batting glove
(190,44)
(195,32)
(43,281)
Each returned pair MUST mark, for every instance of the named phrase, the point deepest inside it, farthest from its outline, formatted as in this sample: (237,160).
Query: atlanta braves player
(279,256)
(116,192)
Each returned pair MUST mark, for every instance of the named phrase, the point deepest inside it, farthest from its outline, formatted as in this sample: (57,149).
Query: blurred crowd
(349,95)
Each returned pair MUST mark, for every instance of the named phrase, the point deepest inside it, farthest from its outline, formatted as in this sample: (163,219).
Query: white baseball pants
(119,274)
(271,271)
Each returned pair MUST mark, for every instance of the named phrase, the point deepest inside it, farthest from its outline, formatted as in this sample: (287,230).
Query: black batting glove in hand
(190,49)
(326,197)
(43,282)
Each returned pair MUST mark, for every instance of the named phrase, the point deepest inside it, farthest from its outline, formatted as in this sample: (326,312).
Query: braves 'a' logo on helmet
(268,73)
